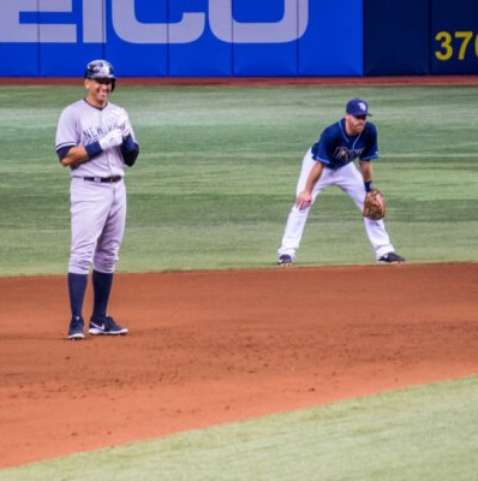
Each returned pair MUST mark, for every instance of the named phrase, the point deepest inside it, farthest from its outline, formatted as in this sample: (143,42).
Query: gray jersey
(81,124)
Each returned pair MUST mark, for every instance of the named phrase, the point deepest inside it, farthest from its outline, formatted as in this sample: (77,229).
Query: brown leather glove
(374,205)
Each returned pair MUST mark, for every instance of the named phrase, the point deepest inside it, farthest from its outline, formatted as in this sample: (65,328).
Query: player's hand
(122,122)
(113,138)
(304,200)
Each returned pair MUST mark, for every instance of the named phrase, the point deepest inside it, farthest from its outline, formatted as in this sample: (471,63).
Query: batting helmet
(100,69)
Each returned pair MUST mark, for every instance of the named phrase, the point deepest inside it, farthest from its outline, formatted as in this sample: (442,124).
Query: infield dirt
(212,347)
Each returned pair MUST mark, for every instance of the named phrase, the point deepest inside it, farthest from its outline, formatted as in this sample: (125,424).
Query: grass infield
(423,433)
(218,170)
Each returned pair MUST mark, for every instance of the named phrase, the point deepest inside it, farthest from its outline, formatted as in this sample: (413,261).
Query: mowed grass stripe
(218,172)
(423,433)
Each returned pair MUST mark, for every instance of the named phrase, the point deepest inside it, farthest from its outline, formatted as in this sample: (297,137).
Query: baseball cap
(357,107)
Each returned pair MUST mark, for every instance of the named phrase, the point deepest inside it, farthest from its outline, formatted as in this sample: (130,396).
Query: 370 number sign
(459,45)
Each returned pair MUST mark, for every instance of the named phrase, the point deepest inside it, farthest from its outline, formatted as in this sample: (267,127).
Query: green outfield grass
(218,170)
(426,433)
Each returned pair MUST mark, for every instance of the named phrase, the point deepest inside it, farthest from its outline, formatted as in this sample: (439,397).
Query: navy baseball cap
(357,107)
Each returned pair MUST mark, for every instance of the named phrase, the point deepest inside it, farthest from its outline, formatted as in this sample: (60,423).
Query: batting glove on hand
(122,122)
(113,138)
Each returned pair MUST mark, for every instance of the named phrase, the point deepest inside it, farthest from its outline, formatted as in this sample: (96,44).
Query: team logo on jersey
(344,155)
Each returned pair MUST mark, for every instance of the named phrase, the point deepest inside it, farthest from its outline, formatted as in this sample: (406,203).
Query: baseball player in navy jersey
(95,140)
(330,161)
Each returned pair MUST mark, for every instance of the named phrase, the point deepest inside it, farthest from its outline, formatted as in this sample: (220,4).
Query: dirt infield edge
(425,80)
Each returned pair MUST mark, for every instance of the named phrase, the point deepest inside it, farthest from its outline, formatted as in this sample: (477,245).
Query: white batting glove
(122,122)
(113,138)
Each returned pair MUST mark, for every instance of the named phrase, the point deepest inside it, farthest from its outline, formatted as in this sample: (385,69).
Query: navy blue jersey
(335,148)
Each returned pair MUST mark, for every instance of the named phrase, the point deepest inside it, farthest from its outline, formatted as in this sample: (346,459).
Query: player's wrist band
(93,149)
(368,185)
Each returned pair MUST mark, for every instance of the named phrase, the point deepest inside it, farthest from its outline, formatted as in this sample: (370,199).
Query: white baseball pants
(350,180)
(98,218)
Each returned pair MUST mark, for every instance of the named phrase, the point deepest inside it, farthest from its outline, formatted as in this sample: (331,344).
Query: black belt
(113,178)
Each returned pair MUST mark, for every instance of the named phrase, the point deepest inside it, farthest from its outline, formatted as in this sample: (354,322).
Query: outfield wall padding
(224,38)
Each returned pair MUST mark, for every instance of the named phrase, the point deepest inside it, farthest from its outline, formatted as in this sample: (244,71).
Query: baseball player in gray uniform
(95,140)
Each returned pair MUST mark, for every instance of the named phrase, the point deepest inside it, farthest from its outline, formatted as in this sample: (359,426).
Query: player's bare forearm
(75,157)
(367,170)
(314,176)
(304,199)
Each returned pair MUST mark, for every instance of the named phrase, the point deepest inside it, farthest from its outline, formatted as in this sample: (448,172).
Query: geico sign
(191,26)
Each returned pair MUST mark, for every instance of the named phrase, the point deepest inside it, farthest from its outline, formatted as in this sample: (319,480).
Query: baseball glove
(374,205)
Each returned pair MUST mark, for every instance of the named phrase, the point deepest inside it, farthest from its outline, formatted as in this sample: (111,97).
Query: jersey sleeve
(66,131)
(323,150)
(370,151)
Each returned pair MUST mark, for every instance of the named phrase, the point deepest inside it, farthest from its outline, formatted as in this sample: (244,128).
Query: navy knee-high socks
(76,289)
(102,283)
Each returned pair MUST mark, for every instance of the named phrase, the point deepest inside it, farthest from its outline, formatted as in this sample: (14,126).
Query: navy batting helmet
(100,69)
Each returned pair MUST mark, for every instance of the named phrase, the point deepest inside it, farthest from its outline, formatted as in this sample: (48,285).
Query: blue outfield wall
(182,37)
(415,37)
(454,37)
(239,37)
(396,39)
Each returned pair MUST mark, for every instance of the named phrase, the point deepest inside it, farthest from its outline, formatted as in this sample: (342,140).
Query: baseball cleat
(284,260)
(106,327)
(391,258)
(75,331)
